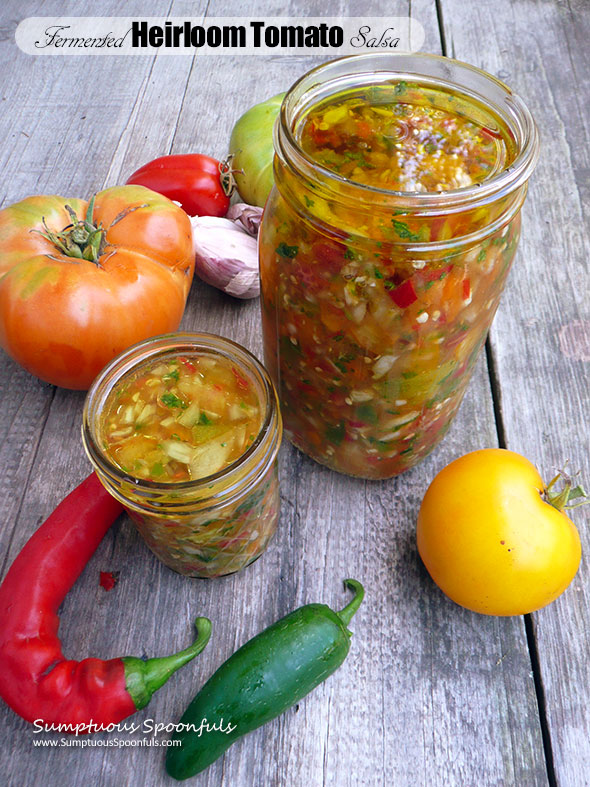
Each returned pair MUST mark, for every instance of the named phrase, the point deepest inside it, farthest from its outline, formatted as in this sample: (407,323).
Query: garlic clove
(226,256)
(248,216)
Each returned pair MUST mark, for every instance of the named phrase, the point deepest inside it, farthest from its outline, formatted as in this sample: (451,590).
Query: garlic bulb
(249,216)
(226,256)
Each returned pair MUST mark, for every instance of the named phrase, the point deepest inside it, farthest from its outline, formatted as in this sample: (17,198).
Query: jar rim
(519,119)
(163,345)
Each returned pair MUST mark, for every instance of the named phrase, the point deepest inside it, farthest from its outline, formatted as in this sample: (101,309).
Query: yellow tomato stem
(561,500)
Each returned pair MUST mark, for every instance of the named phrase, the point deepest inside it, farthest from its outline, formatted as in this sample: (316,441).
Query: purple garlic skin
(249,216)
(226,256)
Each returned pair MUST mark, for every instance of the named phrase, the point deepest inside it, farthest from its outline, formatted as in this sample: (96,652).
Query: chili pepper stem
(143,678)
(346,614)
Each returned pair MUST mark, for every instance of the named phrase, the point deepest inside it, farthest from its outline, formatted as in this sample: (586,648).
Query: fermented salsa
(404,137)
(373,316)
(180,419)
(177,420)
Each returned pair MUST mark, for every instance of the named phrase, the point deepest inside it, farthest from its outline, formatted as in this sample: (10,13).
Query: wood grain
(430,693)
(544,385)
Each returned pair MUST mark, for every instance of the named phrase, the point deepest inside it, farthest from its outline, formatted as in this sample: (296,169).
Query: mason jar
(213,524)
(384,248)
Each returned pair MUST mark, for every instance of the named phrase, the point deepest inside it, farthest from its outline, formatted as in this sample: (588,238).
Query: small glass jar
(206,527)
(376,303)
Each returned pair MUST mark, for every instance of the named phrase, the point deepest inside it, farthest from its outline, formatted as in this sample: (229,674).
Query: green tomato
(252,148)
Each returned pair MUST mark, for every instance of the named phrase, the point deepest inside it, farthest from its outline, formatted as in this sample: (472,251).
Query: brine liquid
(181,418)
(406,137)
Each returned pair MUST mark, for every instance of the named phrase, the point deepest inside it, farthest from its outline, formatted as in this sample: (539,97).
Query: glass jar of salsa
(384,248)
(184,431)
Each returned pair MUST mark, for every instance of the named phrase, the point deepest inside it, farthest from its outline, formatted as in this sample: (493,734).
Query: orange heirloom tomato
(80,282)
(493,537)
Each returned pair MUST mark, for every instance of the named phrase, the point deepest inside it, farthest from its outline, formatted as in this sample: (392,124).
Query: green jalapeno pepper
(267,675)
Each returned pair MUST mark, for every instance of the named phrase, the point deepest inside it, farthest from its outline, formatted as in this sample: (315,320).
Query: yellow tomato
(489,538)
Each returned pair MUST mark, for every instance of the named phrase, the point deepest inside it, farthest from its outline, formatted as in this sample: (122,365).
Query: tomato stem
(226,175)
(81,239)
(561,500)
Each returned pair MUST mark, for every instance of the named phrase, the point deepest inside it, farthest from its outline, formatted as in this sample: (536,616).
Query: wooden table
(431,694)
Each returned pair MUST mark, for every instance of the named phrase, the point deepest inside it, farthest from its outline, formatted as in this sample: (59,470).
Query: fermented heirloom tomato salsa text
(373,317)
(180,419)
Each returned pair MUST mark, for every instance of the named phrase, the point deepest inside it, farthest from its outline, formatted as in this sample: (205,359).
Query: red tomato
(191,179)
(64,314)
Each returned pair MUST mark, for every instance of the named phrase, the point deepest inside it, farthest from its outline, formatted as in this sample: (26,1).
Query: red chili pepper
(404,295)
(36,681)
(466,289)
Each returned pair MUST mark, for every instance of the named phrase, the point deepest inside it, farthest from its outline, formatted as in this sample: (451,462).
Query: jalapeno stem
(346,614)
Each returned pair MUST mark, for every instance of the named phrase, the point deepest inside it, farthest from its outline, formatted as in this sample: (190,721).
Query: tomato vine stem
(226,175)
(561,499)
(81,239)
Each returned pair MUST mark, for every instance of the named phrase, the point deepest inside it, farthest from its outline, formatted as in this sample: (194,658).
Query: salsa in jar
(384,249)
(184,430)
(180,418)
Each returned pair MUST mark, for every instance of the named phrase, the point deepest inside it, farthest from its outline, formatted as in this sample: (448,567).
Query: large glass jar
(377,300)
(213,524)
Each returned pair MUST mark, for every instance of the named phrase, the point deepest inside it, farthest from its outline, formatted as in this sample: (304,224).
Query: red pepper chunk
(190,366)
(108,580)
(435,274)
(404,295)
(240,380)
(36,681)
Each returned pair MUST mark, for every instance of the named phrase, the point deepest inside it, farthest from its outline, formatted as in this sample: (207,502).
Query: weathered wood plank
(538,342)
(430,693)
